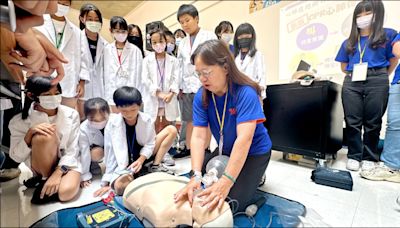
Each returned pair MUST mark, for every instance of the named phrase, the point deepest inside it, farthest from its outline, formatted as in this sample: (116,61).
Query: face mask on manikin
(62,10)
(159,48)
(120,37)
(178,41)
(364,21)
(97,125)
(93,26)
(50,102)
(170,48)
(244,42)
(226,37)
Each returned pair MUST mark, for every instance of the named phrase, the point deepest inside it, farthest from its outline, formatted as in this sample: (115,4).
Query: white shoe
(367,165)
(353,165)
(381,173)
(168,160)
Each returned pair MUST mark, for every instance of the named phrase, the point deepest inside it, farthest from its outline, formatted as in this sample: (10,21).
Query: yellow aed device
(103,216)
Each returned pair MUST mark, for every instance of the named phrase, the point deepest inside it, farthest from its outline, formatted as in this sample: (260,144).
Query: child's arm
(19,150)
(70,156)
(85,158)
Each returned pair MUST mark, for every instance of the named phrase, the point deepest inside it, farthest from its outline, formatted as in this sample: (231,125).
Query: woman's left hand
(215,195)
(52,184)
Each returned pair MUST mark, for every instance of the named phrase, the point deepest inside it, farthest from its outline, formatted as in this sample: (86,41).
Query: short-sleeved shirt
(376,58)
(243,105)
(396,77)
(133,146)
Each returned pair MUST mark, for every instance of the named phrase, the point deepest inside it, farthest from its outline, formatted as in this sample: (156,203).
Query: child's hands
(136,166)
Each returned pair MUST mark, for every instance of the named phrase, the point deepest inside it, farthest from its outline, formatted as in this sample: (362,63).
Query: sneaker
(367,165)
(159,168)
(32,182)
(46,199)
(353,165)
(184,153)
(381,173)
(9,174)
(167,160)
(262,181)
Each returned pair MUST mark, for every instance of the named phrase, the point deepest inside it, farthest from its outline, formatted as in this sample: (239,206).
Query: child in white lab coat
(91,138)
(45,137)
(130,140)
(247,58)
(122,61)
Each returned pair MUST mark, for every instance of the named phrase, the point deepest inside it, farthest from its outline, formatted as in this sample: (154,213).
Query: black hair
(179,30)
(36,85)
(245,28)
(140,42)
(117,20)
(187,9)
(169,33)
(96,105)
(126,96)
(222,27)
(377,36)
(85,9)
(159,31)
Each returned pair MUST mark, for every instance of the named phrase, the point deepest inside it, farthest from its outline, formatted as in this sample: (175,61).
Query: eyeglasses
(205,73)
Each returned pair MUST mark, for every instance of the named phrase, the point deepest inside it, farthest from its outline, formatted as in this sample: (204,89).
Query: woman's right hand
(187,192)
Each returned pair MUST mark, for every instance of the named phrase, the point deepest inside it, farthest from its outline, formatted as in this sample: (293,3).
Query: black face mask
(244,42)
(135,40)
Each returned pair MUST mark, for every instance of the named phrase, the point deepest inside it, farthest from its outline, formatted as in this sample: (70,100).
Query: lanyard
(220,122)
(359,48)
(58,43)
(119,56)
(161,73)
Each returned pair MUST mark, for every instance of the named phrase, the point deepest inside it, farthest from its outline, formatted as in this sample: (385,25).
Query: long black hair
(140,40)
(377,36)
(118,20)
(223,26)
(245,28)
(85,9)
(36,85)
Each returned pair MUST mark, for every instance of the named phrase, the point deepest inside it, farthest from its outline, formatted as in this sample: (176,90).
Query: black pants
(248,180)
(364,104)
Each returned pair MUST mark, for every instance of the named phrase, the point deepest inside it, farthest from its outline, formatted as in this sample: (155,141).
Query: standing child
(135,37)
(247,58)
(45,138)
(366,58)
(91,138)
(224,32)
(171,47)
(123,61)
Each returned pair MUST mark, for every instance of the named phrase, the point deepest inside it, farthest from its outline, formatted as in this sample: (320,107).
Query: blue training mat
(277,212)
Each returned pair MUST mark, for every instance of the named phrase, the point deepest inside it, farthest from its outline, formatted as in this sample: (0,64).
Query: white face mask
(62,10)
(93,26)
(50,102)
(159,48)
(227,37)
(364,21)
(177,41)
(97,125)
(120,37)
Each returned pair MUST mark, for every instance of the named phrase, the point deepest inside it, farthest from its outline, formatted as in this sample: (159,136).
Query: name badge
(122,73)
(359,72)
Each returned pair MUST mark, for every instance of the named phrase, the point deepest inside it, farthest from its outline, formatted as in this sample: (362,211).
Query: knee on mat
(172,130)
(97,153)
(67,192)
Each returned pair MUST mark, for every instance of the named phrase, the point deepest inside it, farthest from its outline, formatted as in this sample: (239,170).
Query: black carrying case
(333,178)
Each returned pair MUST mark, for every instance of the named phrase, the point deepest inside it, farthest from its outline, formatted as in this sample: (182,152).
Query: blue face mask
(178,41)
(170,48)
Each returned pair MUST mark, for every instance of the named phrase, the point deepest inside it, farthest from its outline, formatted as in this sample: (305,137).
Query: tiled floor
(370,203)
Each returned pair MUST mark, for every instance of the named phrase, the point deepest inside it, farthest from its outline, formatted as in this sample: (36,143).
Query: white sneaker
(381,173)
(367,165)
(353,165)
(168,160)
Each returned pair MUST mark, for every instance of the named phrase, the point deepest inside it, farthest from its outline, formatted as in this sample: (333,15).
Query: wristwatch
(64,169)
(7,14)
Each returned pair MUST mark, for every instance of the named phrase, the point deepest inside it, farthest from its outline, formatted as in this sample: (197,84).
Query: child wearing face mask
(66,37)
(45,137)
(171,47)
(123,61)
(91,138)
(179,34)
(93,44)
(135,37)
(366,58)
(224,32)
(247,58)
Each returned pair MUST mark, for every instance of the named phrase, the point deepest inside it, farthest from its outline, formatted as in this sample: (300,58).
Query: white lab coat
(189,82)
(67,122)
(131,60)
(150,80)
(254,68)
(116,146)
(71,49)
(87,137)
(94,86)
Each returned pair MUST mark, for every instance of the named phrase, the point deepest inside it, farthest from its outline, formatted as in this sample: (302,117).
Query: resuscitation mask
(159,48)
(227,37)
(364,21)
(244,42)
(50,102)
(93,26)
(62,10)
(178,41)
(97,125)
(120,37)
(170,48)
(214,169)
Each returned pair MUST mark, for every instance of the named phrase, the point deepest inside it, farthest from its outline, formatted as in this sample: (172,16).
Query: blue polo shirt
(396,77)
(243,105)
(376,58)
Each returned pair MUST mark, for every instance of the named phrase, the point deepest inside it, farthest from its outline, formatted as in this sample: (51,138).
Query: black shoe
(262,181)
(182,154)
(33,182)
(46,199)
